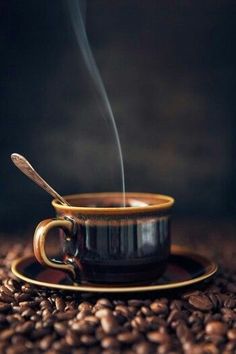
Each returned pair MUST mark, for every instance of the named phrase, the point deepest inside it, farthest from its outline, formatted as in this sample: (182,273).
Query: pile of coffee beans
(36,320)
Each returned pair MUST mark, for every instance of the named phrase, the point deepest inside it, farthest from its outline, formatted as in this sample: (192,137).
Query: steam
(77,9)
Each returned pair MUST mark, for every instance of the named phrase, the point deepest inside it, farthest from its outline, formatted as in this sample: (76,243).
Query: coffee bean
(145,310)
(158,337)
(135,303)
(61,316)
(123,310)
(4,307)
(7,333)
(228,315)
(140,324)
(200,302)
(27,313)
(213,299)
(230,303)
(88,339)
(104,312)
(103,302)
(85,306)
(159,308)
(110,342)
(210,348)
(83,314)
(25,327)
(109,324)
(143,348)
(6,298)
(22,297)
(5,290)
(46,342)
(72,339)
(60,328)
(60,304)
(129,337)
(183,333)
(50,321)
(176,305)
(231,334)
(92,320)
(12,285)
(83,327)
(231,287)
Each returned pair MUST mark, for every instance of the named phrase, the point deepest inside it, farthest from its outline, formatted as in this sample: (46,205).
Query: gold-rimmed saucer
(185,268)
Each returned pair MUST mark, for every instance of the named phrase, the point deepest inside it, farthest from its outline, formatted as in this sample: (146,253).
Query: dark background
(169,71)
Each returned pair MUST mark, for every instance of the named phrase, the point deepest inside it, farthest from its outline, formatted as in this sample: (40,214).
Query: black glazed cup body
(111,244)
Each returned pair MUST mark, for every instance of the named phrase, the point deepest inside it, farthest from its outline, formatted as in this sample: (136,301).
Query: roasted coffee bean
(143,348)
(25,327)
(45,304)
(183,333)
(72,339)
(135,303)
(92,320)
(110,343)
(103,302)
(4,307)
(176,305)
(230,303)
(159,308)
(22,297)
(210,348)
(109,325)
(103,312)
(60,328)
(88,339)
(85,306)
(7,333)
(231,334)
(60,304)
(53,322)
(12,285)
(46,342)
(228,315)
(129,337)
(140,324)
(158,337)
(83,314)
(83,327)
(231,287)
(28,312)
(201,302)
(6,291)
(213,299)
(6,298)
(123,310)
(68,315)
(145,310)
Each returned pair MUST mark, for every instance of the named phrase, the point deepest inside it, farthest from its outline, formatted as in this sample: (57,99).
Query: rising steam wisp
(77,11)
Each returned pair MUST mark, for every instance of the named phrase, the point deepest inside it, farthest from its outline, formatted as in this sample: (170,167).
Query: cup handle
(39,240)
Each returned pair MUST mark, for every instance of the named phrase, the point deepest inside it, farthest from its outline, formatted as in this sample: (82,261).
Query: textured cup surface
(109,243)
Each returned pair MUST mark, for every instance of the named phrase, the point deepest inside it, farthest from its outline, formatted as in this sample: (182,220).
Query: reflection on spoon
(25,167)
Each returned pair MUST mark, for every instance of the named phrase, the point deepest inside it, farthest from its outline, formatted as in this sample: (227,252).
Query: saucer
(184,268)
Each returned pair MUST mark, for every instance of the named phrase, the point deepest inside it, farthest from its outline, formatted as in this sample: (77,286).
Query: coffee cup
(104,242)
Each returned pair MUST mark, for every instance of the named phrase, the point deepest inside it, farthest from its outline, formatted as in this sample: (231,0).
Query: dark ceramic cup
(104,242)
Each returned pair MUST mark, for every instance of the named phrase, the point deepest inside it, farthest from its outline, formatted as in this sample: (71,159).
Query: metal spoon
(25,167)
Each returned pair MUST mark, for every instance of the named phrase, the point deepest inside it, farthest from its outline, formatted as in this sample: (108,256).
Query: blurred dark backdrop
(169,70)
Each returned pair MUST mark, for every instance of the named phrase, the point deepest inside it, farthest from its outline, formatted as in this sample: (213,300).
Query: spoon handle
(25,167)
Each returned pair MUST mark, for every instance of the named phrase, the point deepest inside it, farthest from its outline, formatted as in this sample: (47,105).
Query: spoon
(25,167)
